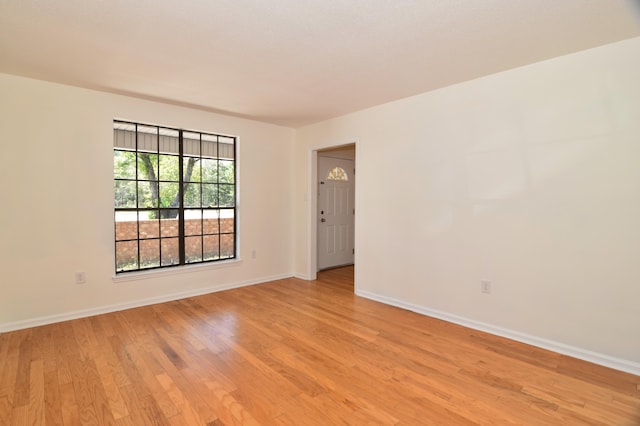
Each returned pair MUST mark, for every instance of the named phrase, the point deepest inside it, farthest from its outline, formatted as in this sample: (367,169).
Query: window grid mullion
(181,222)
(235,195)
(159,211)
(201,204)
(137,202)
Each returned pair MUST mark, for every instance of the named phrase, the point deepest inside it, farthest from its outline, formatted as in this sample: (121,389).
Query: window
(337,173)
(174,196)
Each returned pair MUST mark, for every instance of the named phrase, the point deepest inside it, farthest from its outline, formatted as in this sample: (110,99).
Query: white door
(335,212)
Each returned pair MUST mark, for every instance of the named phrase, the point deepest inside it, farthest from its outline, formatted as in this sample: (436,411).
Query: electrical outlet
(253,254)
(485,286)
(80,277)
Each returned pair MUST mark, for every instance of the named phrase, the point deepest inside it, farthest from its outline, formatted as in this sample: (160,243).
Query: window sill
(177,270)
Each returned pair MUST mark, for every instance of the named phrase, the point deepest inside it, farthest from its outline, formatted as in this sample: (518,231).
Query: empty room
(320,212)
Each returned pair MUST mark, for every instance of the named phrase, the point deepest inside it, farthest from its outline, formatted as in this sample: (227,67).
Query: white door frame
(312,211)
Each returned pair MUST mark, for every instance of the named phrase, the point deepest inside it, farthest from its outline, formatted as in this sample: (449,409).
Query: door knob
(323,220)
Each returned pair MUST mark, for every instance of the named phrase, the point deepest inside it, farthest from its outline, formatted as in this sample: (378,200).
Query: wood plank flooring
(293,352)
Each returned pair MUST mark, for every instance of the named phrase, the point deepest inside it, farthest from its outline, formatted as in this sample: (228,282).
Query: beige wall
(529,178)
(56,172)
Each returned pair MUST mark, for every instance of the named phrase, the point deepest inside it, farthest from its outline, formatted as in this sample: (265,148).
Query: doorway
(335,207)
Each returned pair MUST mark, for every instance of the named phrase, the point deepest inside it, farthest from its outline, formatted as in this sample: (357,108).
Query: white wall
(529,178)
(57,202)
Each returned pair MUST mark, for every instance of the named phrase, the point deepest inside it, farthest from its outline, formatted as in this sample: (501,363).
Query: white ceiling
(294,62)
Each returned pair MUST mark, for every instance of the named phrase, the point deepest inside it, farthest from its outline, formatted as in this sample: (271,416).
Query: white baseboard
(586,355)
(50,319)
(596,358)
(302,276)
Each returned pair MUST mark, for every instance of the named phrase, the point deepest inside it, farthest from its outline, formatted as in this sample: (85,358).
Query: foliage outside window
(174,196)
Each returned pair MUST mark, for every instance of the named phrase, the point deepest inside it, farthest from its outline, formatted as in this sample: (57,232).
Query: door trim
(312,204)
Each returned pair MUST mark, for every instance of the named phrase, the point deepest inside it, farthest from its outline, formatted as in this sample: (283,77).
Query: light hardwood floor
(297,353)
